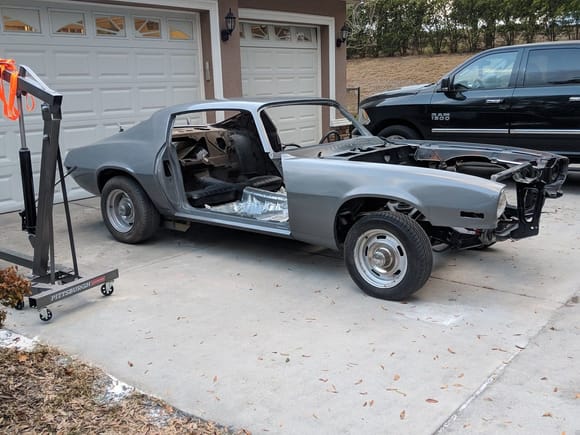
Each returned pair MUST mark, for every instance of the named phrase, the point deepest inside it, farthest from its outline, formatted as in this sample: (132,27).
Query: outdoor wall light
(230,25)
(344,34)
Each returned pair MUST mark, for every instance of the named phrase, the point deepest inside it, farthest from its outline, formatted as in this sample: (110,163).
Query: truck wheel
(129,214)
(397,132)
(388,255)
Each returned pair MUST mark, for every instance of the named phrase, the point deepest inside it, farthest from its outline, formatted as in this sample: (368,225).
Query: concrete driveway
(272,335)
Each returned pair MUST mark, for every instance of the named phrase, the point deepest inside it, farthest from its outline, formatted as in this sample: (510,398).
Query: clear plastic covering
(258,204)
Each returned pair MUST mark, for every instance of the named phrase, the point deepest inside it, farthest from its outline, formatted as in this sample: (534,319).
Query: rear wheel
(397,132)
(388,255)
(129,214)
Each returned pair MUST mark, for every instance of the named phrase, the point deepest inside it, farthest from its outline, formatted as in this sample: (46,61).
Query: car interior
(219,161)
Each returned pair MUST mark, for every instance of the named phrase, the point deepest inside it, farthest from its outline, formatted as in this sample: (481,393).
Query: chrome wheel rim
(380,258)
(120,211)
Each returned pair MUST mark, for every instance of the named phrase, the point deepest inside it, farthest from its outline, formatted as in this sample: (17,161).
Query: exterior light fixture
(344,34)
(230,25)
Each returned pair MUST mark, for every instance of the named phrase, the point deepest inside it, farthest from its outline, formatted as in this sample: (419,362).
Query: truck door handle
(576,99)
(494,101)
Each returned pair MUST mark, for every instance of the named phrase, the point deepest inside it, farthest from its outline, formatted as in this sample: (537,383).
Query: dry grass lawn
(376,75)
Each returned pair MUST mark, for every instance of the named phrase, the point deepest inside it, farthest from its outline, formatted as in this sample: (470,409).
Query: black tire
(388,255)
(398,132)
(129,214)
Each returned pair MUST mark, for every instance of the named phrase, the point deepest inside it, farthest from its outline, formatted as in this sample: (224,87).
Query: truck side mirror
(445,84)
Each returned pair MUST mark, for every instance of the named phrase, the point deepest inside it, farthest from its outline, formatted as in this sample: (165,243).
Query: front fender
(317,188)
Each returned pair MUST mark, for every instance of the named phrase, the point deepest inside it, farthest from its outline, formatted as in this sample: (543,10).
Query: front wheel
(388,255)
(127,211)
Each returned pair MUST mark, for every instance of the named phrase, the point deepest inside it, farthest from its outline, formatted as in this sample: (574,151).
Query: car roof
(243,103)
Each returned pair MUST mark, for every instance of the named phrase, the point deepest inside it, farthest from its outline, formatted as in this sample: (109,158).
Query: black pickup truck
(523,95)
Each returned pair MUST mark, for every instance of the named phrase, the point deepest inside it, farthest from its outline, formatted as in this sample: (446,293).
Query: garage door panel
(117,101)
(8,187)
(182,66)
(4,148)
(104,81)
(152,99)
(183,94)
(73,136)
(151,65)
(283,68)
(74,65)
(81,103)
(113,65)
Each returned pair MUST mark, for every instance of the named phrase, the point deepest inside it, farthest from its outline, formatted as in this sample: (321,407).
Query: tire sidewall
(417,262)
(141,229)
(399,130)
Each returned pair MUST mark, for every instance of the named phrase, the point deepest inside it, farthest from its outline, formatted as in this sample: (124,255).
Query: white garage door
(282,60)
(114,66)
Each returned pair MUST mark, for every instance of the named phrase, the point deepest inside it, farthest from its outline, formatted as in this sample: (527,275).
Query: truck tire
(397,132)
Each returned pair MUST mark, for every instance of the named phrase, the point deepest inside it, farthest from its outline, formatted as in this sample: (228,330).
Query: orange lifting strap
(10,109)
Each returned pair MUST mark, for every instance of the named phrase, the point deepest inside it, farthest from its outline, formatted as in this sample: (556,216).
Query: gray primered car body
(260,166)
(321,180)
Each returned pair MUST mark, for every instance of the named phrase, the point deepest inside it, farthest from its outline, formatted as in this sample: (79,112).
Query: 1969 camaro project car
(266,166)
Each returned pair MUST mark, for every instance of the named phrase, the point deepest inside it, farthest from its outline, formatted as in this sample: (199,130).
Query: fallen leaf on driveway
(364,404)
(396,390)
(130,363)
(215,379)
(498,348)
(547,414)
(371,403)
(450,350)
(461,375)
(358,382)
(577,395)
(402,415)
(431,401)
(332,389)
(323,380)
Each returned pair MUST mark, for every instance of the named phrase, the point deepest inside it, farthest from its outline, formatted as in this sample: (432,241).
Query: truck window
(489,72)
(556,66)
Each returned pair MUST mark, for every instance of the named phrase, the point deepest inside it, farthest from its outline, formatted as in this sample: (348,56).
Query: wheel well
(354,208)
(390,122)
(106,174)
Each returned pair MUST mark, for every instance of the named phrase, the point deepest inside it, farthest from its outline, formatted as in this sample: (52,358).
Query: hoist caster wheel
(19,305)
(45,314)
(107,289)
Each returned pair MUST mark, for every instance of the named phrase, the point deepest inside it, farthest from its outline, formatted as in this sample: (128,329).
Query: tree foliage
(400,27)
